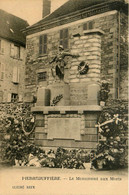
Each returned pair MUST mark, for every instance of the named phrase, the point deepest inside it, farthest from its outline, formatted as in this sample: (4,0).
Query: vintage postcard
(64,97)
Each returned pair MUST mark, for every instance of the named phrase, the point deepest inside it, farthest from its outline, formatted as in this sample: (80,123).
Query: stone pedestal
(66,126)
(43,97)
(93,94)
(60,89)
(84,94)
(78,94)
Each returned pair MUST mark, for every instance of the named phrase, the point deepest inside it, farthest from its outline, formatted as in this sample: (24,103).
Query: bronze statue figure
(60,62)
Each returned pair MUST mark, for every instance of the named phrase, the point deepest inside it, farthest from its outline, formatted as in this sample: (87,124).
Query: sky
(30,10)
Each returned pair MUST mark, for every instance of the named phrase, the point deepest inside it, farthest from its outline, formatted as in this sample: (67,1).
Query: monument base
(66,126)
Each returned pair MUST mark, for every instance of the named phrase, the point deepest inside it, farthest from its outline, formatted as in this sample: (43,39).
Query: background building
(97,31)
(12,57)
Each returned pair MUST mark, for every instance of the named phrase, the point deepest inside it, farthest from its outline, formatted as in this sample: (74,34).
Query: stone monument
(69,111)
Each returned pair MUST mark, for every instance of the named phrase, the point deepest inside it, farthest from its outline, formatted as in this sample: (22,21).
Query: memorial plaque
(64,128)
(78,94)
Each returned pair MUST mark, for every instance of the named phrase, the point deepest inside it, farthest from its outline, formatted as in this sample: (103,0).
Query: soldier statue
(60,62)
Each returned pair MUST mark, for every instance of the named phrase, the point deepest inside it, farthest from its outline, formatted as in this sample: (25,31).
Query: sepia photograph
(64,97)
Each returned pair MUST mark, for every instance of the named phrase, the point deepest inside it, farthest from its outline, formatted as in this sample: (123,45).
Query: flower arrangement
(104,91)
(112,152)
(83,68)
(16,145)
(19,149)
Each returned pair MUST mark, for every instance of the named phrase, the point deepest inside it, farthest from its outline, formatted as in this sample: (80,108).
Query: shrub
(104,91)
(112,148)
(16,124)
(16,145)
(19,150)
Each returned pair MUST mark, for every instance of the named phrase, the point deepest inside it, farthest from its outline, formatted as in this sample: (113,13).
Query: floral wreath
(32,124)
(83,68)
(56,100)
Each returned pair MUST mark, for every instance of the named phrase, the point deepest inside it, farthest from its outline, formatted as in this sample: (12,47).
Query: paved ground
(46,181)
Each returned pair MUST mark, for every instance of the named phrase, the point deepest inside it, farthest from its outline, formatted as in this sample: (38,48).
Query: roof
(72,7)
(11,26)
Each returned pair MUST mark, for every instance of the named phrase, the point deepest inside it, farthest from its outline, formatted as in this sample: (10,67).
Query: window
(88,26)
(1,47)
(42,76)
(64,38)
(43,44)
(15,51)
(12,50)
(22,53)
(2,71)
(15,74)
(14,97)
(1,96)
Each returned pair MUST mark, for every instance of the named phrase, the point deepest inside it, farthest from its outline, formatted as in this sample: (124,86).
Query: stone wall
(88,46)
(123,56)
(109,52)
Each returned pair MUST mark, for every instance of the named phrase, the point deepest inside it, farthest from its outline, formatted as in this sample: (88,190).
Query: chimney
(46,8)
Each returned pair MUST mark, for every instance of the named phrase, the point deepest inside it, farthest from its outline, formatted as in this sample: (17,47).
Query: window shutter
(21,53)
(2,46)
(61,37)
(18,74)
(61,34)
(91,25)
(9,97)
(45,44)
(15,74)
(1,96)
(66,33)
(85,26)
(12,50)
(20,98)
(2,71)
(64,38)
(15,52)
(40,44)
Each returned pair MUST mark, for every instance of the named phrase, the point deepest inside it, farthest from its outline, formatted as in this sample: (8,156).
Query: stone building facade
(12,57)
(96,32)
